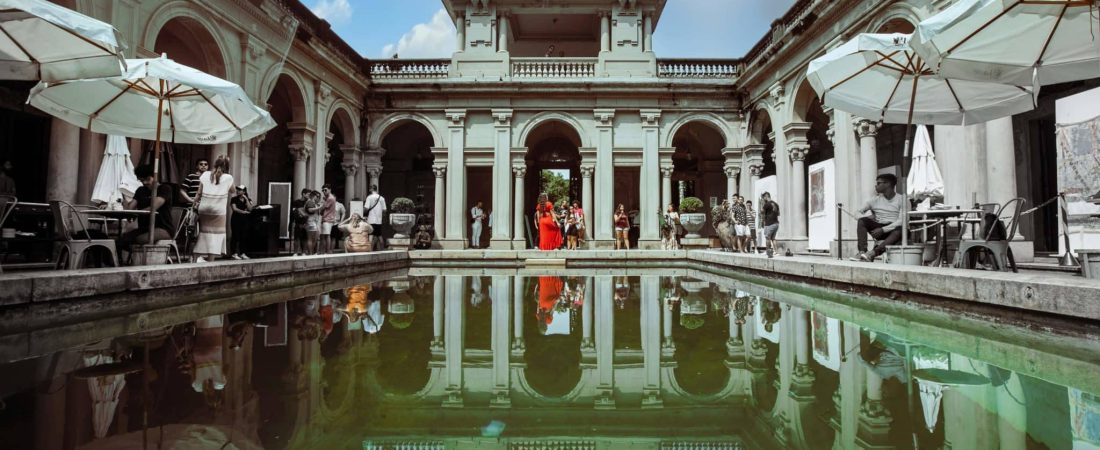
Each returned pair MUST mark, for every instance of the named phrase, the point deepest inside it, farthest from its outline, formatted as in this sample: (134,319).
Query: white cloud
(334,11)
(435,39)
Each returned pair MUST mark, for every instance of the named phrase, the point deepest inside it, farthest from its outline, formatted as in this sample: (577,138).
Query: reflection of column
(798,191)
(453,341)
(666,187)
(586,199)
(803,376)
(849,393)
(874,418)
(587,344)
(437,314)
(519,241)
(735,346)
(605,31)
(605,344)
(868,156)
(1012,414)
(501,289)
(731,180)
(651,340)
(517,316)
(439,213)
(61,175)
(668,347)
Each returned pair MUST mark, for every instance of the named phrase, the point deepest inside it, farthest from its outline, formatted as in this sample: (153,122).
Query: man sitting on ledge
(884,222)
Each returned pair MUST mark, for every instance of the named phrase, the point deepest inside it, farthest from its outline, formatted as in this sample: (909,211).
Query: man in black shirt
(143,197)
(298,223)
(769,211)
(191,182)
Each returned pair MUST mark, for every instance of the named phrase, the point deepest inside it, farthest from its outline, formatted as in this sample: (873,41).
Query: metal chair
(999,249)
(180,217)
(70,247)
(7,205)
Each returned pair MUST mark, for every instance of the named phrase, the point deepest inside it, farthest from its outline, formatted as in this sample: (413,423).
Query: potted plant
(402,217)
(690,216)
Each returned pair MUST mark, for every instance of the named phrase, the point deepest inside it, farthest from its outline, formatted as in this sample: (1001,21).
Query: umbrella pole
(156,168)
(909,391)
(908,148)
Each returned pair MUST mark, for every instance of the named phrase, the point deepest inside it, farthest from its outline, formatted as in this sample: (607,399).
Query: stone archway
(276,163)
(697,164)
(553,162)
(407,164)
(341,151)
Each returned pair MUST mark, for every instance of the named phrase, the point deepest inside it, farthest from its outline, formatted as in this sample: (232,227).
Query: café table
(116,214)
(941,217)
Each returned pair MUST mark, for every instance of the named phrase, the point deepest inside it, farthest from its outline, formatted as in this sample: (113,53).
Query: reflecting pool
(592,359)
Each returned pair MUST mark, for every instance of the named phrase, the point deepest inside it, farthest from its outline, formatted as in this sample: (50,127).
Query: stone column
(798,192)
(874,418)
(605,174)
(586,198)
(438,212)
(651,340)
(605,31)
(502,39)
(868,156)
(460,27)
(374,176)
(732,174)
(1011,415)
(454,336)
(1000,160)
(350,168)
(63,167)
(361,176)
(91,158)
(649,204)
(518,346)
(502,289)
(456,180)
(647,37)
(666,187)
(605,344)
(755,171)
(300,153)
(502,178)
(519,240)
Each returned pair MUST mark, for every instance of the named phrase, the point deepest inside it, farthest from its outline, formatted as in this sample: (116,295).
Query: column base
(605,398)
(453,399)
(601,244)
(452,244)
(649,244)
(500,399)
(795,245)
(651,399)
(519,244)
(500,244)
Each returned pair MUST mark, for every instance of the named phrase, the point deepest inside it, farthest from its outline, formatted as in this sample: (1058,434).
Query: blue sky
(420,28)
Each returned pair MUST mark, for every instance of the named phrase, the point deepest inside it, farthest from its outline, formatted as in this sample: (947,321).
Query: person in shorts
(751,213)
(769,211)
(328,218)
(740,223)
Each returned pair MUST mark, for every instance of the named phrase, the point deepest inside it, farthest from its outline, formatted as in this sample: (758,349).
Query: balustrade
(697,68)
(553,67)
(410,68)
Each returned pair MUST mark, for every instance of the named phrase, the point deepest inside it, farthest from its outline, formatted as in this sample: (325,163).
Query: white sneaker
(244,256)
(200,260)
(236,257)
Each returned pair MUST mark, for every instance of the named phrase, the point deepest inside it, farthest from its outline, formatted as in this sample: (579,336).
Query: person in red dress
(549,230)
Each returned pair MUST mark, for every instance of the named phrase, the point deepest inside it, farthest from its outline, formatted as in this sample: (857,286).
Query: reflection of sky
(560,323)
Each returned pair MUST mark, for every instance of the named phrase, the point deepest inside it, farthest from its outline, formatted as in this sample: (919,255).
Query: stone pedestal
(399,243)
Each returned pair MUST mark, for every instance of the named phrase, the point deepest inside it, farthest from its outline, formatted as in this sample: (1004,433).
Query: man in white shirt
(477,214)
(374,207)
(884,220)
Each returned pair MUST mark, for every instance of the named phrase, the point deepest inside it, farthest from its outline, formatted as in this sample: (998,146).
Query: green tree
(555,186)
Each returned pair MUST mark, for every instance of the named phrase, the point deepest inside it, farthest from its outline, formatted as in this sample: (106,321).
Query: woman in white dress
(215,190)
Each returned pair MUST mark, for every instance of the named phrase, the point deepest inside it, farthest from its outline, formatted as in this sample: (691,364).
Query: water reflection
(592,358)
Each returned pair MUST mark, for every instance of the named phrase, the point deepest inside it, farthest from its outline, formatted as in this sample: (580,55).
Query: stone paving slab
(1056,294)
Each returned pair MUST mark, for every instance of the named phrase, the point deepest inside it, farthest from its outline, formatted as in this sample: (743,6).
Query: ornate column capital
(439,171)
(866,128)
(519,171)
(756,170)
(798,153)
(666,172)
(374,171)
(732,171)
(588,171)
(350,168)
(300,152)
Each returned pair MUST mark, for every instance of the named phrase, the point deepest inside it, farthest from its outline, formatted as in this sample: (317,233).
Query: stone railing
(554,67)
(410,68)
(697,68)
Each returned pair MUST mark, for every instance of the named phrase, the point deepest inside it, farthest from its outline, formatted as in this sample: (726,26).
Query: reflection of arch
(183,13)
(342,115)
(392,121)
(551,116)
(524,386)
(710,119)
(738,382)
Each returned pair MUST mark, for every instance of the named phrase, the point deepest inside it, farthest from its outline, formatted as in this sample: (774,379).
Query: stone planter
(692,223)
(402,224)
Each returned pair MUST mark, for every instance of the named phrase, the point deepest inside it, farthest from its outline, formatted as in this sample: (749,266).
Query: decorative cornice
(456,116)
(650,117)
(502,117)
(604,117)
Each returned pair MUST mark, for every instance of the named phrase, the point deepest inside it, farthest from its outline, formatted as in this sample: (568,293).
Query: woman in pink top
(579,214)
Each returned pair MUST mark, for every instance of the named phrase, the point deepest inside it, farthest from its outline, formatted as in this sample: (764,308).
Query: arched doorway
(188,42)
(407,164)
(697,166)
(762,133)
(275,161)
(343,136)
(553,163)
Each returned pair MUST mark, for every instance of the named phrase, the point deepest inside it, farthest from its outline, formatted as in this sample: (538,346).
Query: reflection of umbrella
(155,99)
(1013,41)
(951,377)
(116,173)
(879,75)
(104,391)
(924,179)
(43,41)
(208,354)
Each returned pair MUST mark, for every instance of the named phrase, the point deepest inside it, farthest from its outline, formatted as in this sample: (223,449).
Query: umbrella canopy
(195,108)
(116,173)
(876,76)
(104,391)
(925,179)
(43,41)
(1031,42)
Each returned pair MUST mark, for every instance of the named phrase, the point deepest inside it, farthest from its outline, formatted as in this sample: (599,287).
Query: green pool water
(573,359)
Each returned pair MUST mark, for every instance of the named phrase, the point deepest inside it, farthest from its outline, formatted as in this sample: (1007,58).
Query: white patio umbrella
(925,179)
(879,76)
(40,40)
(1026,42)
(116,173)
(156,99)
(104,391)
